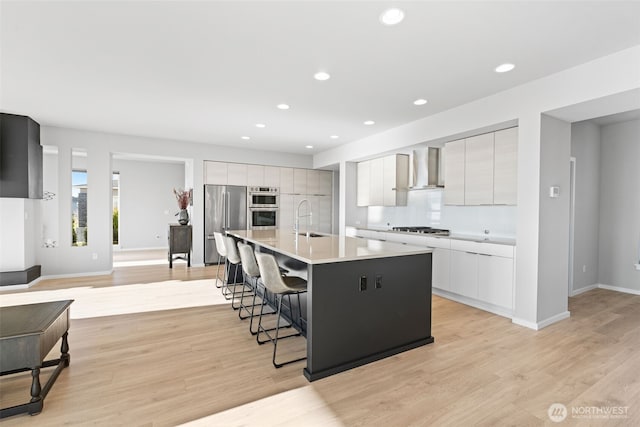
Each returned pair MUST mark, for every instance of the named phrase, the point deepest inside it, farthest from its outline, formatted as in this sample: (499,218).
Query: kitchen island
(366,299)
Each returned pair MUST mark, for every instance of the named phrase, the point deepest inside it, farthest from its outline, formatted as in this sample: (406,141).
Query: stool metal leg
(275,341)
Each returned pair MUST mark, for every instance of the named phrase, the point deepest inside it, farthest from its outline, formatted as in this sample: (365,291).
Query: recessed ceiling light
(503,68)
(369,122)
(308,146)
(283,106)
(392,16)
(260,125)
(334,137)
(245,137)
(321,75)
(420,101)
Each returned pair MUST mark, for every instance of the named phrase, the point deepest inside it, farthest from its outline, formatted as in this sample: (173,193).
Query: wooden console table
(179,243)
(27,335)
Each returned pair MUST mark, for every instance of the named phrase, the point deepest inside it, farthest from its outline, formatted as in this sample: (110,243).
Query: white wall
(147,202)
(553,256)
(603,77)
(620,205)
(12,234)
(97,255)
(585,147)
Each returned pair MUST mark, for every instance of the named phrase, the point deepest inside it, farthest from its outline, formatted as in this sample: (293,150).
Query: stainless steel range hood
(427,170)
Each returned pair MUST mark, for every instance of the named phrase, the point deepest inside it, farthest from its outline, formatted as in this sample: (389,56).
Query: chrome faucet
(309,215)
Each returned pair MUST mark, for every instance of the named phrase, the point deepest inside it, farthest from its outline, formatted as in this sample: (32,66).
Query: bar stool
(250,277)
(222,255)
(233,257)
(280,286)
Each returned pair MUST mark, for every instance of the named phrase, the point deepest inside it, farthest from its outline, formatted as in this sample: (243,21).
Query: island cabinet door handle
(483,254)
(472,253)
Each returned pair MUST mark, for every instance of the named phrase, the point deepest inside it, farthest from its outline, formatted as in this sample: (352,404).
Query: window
(115,191)
(79,199)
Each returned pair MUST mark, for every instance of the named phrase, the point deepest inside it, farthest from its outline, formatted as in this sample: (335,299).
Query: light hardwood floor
(153,346)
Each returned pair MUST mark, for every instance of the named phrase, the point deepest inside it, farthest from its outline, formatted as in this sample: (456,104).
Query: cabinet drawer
(438,242)
(486,248)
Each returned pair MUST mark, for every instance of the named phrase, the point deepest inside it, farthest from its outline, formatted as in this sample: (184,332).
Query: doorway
(572,209)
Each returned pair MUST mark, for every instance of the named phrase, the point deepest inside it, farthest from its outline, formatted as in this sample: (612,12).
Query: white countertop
(456,236)
(327,248)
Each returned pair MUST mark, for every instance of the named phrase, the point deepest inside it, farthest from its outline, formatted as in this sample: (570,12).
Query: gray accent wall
(585,147)
(147,202)
(553,244)
(619,237)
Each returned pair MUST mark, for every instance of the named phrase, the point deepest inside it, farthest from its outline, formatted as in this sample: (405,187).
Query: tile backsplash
(426,208)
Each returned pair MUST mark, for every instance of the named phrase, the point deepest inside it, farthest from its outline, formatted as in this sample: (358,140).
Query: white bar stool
(280,286)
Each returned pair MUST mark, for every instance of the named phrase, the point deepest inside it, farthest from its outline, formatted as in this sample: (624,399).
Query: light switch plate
(554,191)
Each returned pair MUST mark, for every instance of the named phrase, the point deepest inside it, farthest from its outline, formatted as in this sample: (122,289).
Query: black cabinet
(179,243)
(20,157)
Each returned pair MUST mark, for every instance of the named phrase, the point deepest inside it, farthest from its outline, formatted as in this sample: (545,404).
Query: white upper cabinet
(215,173)
(482,170)
(313,182)
(478,172)
(255,175)
(505,190)
(326,183)
(300,181)
(376,181)
(286,180)
(395,180)
(363,183)
(271,176)
(383,181)
(237,174)
(454,153)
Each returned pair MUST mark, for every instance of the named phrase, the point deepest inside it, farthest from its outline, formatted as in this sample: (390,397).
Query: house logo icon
(557,412)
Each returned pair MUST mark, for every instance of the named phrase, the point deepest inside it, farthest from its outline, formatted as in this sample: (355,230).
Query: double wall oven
(263,205)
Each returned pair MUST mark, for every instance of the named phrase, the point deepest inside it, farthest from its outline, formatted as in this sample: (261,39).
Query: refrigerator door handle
(228,209)
(224,203)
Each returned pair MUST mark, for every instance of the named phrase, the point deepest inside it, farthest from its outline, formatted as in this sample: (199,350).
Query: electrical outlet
(94,256)
(363,283)
(378,282)
(584,268)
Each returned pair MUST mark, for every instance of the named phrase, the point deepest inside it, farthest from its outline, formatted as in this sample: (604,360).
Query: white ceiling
(209,71)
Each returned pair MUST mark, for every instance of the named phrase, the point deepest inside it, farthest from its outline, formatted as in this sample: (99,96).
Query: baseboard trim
(553,319)
(525,323)
(619,289)
(72,275)
(583,290)
(504,312)
(536,326)
(155,248)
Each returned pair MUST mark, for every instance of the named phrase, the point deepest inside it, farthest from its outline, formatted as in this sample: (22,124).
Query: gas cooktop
(423,230)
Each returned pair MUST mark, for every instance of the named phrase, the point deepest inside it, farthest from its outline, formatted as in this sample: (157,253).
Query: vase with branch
(183,198)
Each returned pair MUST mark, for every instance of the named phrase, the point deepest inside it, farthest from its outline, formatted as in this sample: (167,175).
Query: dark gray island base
(347,327)
(366,300)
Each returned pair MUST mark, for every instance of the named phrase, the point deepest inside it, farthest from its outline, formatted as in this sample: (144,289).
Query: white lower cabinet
(479,271)
(464,273)
(495,280)
(440,267)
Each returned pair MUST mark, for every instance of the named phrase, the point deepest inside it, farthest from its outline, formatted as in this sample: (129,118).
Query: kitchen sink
(311,234)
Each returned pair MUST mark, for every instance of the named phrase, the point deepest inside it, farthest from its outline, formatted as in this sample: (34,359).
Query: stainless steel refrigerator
(225,208)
